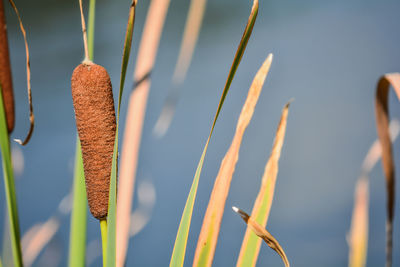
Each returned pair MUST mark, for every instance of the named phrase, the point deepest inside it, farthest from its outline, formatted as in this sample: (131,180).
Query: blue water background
(328,55)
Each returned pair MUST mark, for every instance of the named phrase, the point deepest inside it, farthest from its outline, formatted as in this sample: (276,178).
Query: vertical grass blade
(91,27)
(262,206)
(382,125)
(77,238)
(112,204)
(178,253)
(103,229)
(263,234)
(77,243)
(9,187)
(208,237)
(111,218)
(179,250)
(358,238)
(134,120)
(127,50)
(190,36)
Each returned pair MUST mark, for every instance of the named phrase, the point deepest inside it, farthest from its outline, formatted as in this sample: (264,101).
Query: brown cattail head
(96,123)
(5,72)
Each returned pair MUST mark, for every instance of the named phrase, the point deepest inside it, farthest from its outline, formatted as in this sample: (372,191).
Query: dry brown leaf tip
(28,80)
(263,234)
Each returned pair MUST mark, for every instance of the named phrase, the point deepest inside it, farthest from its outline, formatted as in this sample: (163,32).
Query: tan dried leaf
(212,220)
(263,234)
(134,121)
(382,125)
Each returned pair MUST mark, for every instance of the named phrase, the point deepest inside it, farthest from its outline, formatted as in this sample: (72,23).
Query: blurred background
(328,56)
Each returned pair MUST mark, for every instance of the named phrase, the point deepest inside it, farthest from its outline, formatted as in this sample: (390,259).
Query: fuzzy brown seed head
(5,72)
(96,123)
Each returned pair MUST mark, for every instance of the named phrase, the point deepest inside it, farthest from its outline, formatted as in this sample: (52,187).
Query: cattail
(5,72)
(96,123)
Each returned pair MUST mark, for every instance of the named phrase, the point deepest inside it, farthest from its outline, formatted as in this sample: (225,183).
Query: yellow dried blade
(358,237)
(190,36)
(382,125)
(212,220)
(264,234)
(179,250)
(261,209)
(39,237)
(134,121)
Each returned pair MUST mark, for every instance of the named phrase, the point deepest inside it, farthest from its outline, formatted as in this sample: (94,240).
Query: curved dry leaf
(382,125)
(212,220)
(261,209)
(358,236)
(134,121)
(375,151)
(263,234)
(28,80)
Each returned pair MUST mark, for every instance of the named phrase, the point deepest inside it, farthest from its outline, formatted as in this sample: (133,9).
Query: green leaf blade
(111,218)
(178,253)
(179,250)
(127,50)
(78,231)
(238,56)
(112,204)
(77,243)
(9,187)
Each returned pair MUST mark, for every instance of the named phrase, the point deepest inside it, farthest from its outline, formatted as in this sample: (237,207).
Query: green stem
(103,228)
(9,187)
(91,20)
(77,245)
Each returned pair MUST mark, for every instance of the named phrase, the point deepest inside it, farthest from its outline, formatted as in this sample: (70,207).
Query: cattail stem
(85,42)
(103,228)
(90,30)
